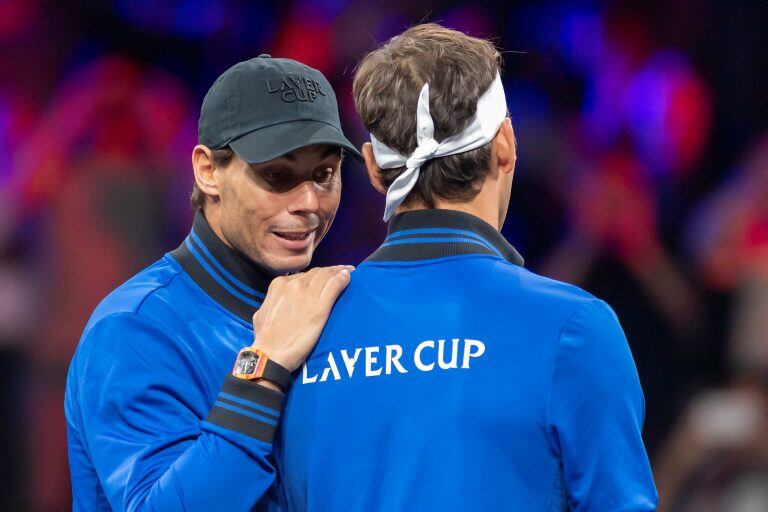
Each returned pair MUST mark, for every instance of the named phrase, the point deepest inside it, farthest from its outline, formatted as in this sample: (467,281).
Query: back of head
(459,69)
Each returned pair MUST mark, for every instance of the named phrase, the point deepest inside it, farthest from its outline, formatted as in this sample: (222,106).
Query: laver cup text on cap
(374,361)
(264,108)
(296,89)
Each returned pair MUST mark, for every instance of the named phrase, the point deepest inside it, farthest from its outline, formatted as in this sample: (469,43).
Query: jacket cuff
(248,408)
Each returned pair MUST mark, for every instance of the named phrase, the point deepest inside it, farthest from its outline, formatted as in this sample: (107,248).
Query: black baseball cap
(264,108)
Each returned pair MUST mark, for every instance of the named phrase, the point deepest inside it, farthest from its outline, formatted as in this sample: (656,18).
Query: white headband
(482,128)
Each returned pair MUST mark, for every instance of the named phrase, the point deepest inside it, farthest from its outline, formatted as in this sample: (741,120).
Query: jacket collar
(429,234)
(230,278)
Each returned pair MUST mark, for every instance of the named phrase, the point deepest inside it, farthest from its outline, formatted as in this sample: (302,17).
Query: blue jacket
(154,422)
(449,378)
(427,390)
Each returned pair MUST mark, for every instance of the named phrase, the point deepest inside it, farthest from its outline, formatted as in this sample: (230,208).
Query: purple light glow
(668,113)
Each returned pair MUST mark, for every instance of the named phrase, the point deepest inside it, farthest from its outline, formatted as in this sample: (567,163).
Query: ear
(374,171)
(506,147)
(202,164)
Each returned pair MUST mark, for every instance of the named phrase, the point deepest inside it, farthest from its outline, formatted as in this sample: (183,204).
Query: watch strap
(277,373)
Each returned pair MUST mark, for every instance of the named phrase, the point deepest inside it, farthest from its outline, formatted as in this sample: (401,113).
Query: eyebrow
(329,150)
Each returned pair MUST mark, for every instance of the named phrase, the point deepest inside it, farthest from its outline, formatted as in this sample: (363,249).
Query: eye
(324,175)
(276,175)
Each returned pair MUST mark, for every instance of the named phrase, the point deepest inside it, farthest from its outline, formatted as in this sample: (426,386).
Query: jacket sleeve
(595,416)
(144,423)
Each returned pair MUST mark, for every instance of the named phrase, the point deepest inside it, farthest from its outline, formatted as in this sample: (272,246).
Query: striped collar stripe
(217,278)
(437,240)
(441,233)
(222,272)
(432,234)
(227,277)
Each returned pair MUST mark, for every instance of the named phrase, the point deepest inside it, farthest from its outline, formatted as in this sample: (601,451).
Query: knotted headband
(482,128)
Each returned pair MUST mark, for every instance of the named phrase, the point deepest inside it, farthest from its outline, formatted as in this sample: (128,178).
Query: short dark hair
(221,158)
(459,69)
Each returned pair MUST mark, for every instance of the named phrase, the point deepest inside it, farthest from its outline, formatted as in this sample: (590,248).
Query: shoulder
(139,339)
(573,315)
(144,308)
(135,331)
(538,293)
(134,293)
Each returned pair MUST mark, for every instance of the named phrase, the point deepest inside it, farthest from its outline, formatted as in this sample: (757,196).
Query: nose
(305,199)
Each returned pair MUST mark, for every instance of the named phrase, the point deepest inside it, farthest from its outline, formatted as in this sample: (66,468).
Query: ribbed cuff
(248,408)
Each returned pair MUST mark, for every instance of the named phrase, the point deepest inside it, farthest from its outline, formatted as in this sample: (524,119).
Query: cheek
(256,215)
(332,196)
(245,208)
(329,202)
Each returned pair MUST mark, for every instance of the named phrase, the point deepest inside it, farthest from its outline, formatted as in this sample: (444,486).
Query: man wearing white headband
(448,377)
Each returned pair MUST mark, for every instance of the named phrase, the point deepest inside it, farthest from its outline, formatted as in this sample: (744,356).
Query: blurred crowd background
(642,176)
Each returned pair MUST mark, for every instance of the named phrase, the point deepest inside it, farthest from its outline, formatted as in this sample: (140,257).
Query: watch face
(246,364)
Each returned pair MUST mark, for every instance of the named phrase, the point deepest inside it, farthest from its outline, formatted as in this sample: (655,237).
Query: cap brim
(273,141)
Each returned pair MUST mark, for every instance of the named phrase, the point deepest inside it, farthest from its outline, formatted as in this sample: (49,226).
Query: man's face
(278,211)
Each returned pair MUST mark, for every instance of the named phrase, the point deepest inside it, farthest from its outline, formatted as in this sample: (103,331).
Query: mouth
(295,240)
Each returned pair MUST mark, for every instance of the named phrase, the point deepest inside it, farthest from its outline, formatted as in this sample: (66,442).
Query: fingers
(336,284)
(321,282)
(292,315)
(276,284)
(319,279)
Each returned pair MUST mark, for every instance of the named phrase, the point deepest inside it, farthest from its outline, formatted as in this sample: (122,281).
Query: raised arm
(143,416)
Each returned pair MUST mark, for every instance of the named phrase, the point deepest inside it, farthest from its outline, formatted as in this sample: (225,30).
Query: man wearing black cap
(157,418)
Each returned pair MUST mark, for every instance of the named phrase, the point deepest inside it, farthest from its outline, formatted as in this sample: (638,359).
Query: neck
(211,212)
(228,277)
(484,206)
